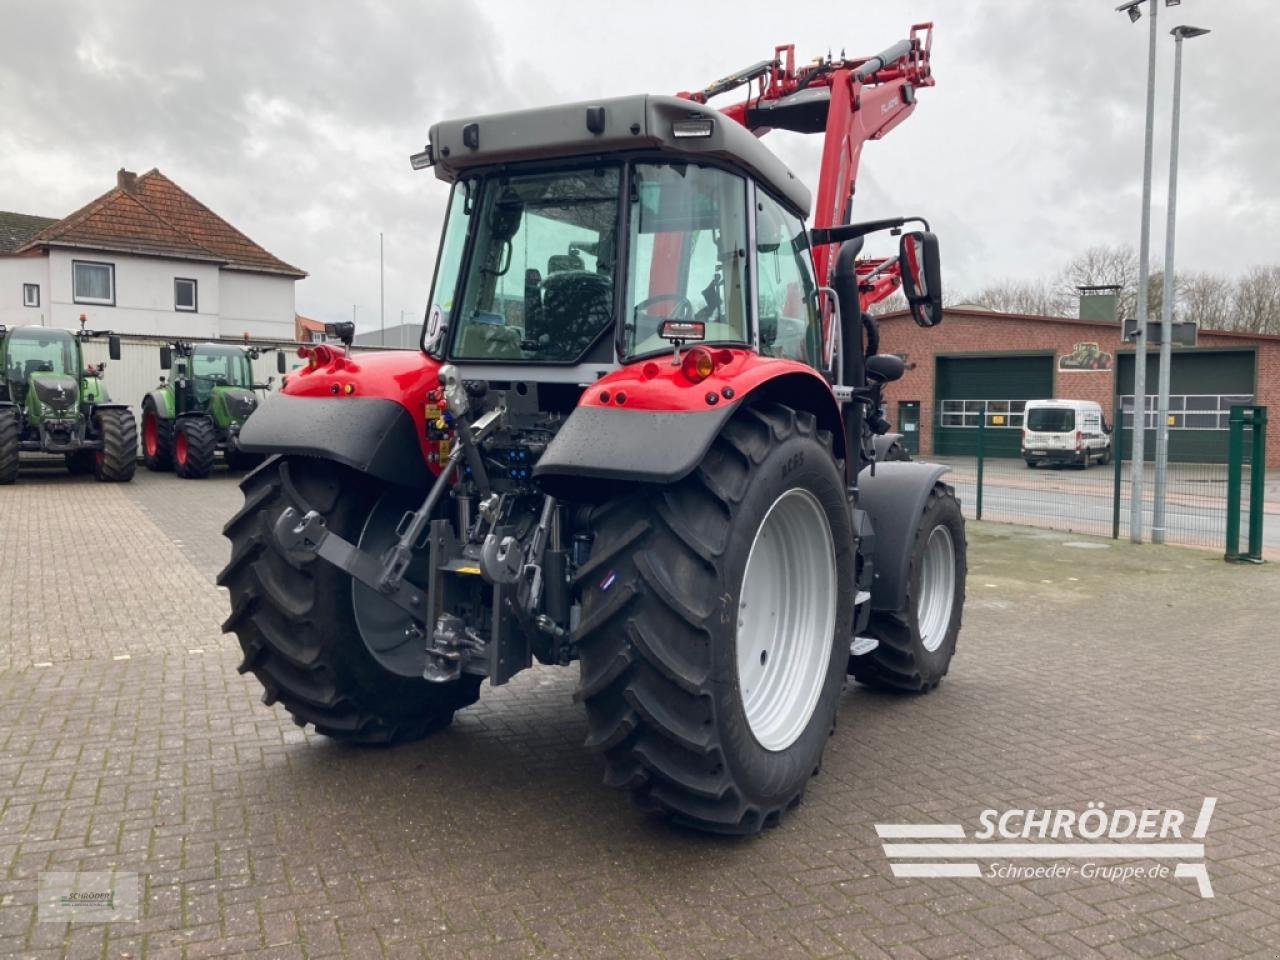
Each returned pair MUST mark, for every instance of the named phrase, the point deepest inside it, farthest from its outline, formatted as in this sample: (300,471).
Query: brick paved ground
(1134,677)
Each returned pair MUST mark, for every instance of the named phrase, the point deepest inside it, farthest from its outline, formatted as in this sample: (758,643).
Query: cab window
(687,247)
(790,325)
(539,283)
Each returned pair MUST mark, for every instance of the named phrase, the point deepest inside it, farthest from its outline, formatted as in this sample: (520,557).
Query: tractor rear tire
(668,639)
(80,462)
(10,436)
(295,619)
(118,456)
(195,444)
(917,644)
(157,438)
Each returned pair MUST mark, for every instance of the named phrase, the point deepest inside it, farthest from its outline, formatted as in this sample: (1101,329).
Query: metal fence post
(1257,481)
(1235,456)
(1117,458)
(982,429)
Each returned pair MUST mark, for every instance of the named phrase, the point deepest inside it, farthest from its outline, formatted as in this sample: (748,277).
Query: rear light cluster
(700,363)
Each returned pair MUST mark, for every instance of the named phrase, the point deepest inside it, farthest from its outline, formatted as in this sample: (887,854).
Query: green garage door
(1203,384)
(970,388)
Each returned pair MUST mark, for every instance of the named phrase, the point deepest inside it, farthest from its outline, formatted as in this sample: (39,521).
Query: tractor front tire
(157,438)
(116,460)
(701,601)
(10,436)
(917,643)
(195,443)
(296,622)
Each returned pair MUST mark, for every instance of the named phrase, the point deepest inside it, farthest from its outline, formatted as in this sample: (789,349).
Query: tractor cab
(667,212)
(212,375)
(40,367)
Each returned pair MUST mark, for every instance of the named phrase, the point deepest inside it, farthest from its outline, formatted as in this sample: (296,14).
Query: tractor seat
(564,263)
(576,306)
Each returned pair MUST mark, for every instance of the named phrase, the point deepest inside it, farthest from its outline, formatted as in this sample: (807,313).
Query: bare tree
(890,304)
(1101,265)
(1257,301)
(1207,300)
(1034,297)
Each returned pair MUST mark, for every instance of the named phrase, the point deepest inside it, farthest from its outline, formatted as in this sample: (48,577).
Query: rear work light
(698,364)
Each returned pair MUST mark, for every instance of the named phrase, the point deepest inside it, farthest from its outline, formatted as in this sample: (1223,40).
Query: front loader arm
(849,101)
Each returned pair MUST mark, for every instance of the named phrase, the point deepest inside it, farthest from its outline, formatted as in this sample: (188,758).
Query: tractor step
(862,646)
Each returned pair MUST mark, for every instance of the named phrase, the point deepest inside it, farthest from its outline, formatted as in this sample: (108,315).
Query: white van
(1065,431)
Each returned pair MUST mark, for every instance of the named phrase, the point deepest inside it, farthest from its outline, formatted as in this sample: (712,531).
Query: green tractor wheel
(157,438)
(194,445)
(80,463)
(10,430)
(117,458)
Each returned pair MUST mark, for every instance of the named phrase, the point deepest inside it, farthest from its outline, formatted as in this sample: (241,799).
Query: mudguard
(647,446)
(370,434)
(894,499)
(163,400)
(882,444)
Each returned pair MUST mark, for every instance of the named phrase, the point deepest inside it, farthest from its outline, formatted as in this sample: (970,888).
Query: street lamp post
(1166,305)
(1138,434)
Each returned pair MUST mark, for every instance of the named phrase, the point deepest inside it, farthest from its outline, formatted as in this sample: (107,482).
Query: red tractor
(641,434)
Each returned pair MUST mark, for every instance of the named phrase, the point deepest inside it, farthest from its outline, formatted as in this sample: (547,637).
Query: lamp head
(1186,33)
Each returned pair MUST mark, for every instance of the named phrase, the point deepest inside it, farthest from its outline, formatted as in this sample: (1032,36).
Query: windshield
(688,248)
(1051,419)
(40,351)
(220,368)
(539,282)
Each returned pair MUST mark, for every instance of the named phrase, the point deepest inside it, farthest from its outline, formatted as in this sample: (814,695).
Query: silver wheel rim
(937,588)
(786,619)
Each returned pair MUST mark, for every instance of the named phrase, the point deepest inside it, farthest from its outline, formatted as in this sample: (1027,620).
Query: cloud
(294,121)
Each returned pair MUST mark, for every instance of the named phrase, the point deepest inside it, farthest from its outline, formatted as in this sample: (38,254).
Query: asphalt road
(1080,501)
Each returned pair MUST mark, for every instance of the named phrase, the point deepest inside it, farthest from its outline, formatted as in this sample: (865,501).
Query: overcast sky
(295,120)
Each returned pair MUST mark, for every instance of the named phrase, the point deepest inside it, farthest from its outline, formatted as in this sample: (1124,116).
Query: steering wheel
(683,309)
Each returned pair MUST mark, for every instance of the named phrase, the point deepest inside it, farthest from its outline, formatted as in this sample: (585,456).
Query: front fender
(370,434)
(894,499)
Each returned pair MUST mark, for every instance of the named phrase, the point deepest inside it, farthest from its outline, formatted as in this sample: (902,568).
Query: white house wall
(258,304)
(144,296)
(14,272)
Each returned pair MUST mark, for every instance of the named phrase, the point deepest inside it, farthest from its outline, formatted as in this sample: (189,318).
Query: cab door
(788,321)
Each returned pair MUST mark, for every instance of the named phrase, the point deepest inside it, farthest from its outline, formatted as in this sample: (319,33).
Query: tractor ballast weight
(51,401)
(643,433)
(198,411)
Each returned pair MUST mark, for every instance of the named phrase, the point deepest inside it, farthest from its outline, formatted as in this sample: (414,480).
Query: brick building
(981,364)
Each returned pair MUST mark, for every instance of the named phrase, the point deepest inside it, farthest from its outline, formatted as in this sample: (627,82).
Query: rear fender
(366,412)
(894,499)
(647,423)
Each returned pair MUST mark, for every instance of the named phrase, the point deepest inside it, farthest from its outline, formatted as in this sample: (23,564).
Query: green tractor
(200,410)
(50,402)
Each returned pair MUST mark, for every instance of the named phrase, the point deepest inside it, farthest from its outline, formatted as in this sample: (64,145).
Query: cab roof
(640,122)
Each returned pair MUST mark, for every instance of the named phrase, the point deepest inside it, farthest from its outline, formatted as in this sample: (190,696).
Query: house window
(1204,411)
(93,282)
(184,294)
(1005,414)
(31,294)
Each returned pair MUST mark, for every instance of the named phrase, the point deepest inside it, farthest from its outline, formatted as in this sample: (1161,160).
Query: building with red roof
(146,257)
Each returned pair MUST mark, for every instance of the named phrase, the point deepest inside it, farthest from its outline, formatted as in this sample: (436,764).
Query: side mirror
(922,277)
(113,347)
(885,368)
(166,358)
(281,365)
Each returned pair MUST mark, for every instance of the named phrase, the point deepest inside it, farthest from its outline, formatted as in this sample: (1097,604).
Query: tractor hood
(232,404)
(59,393)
